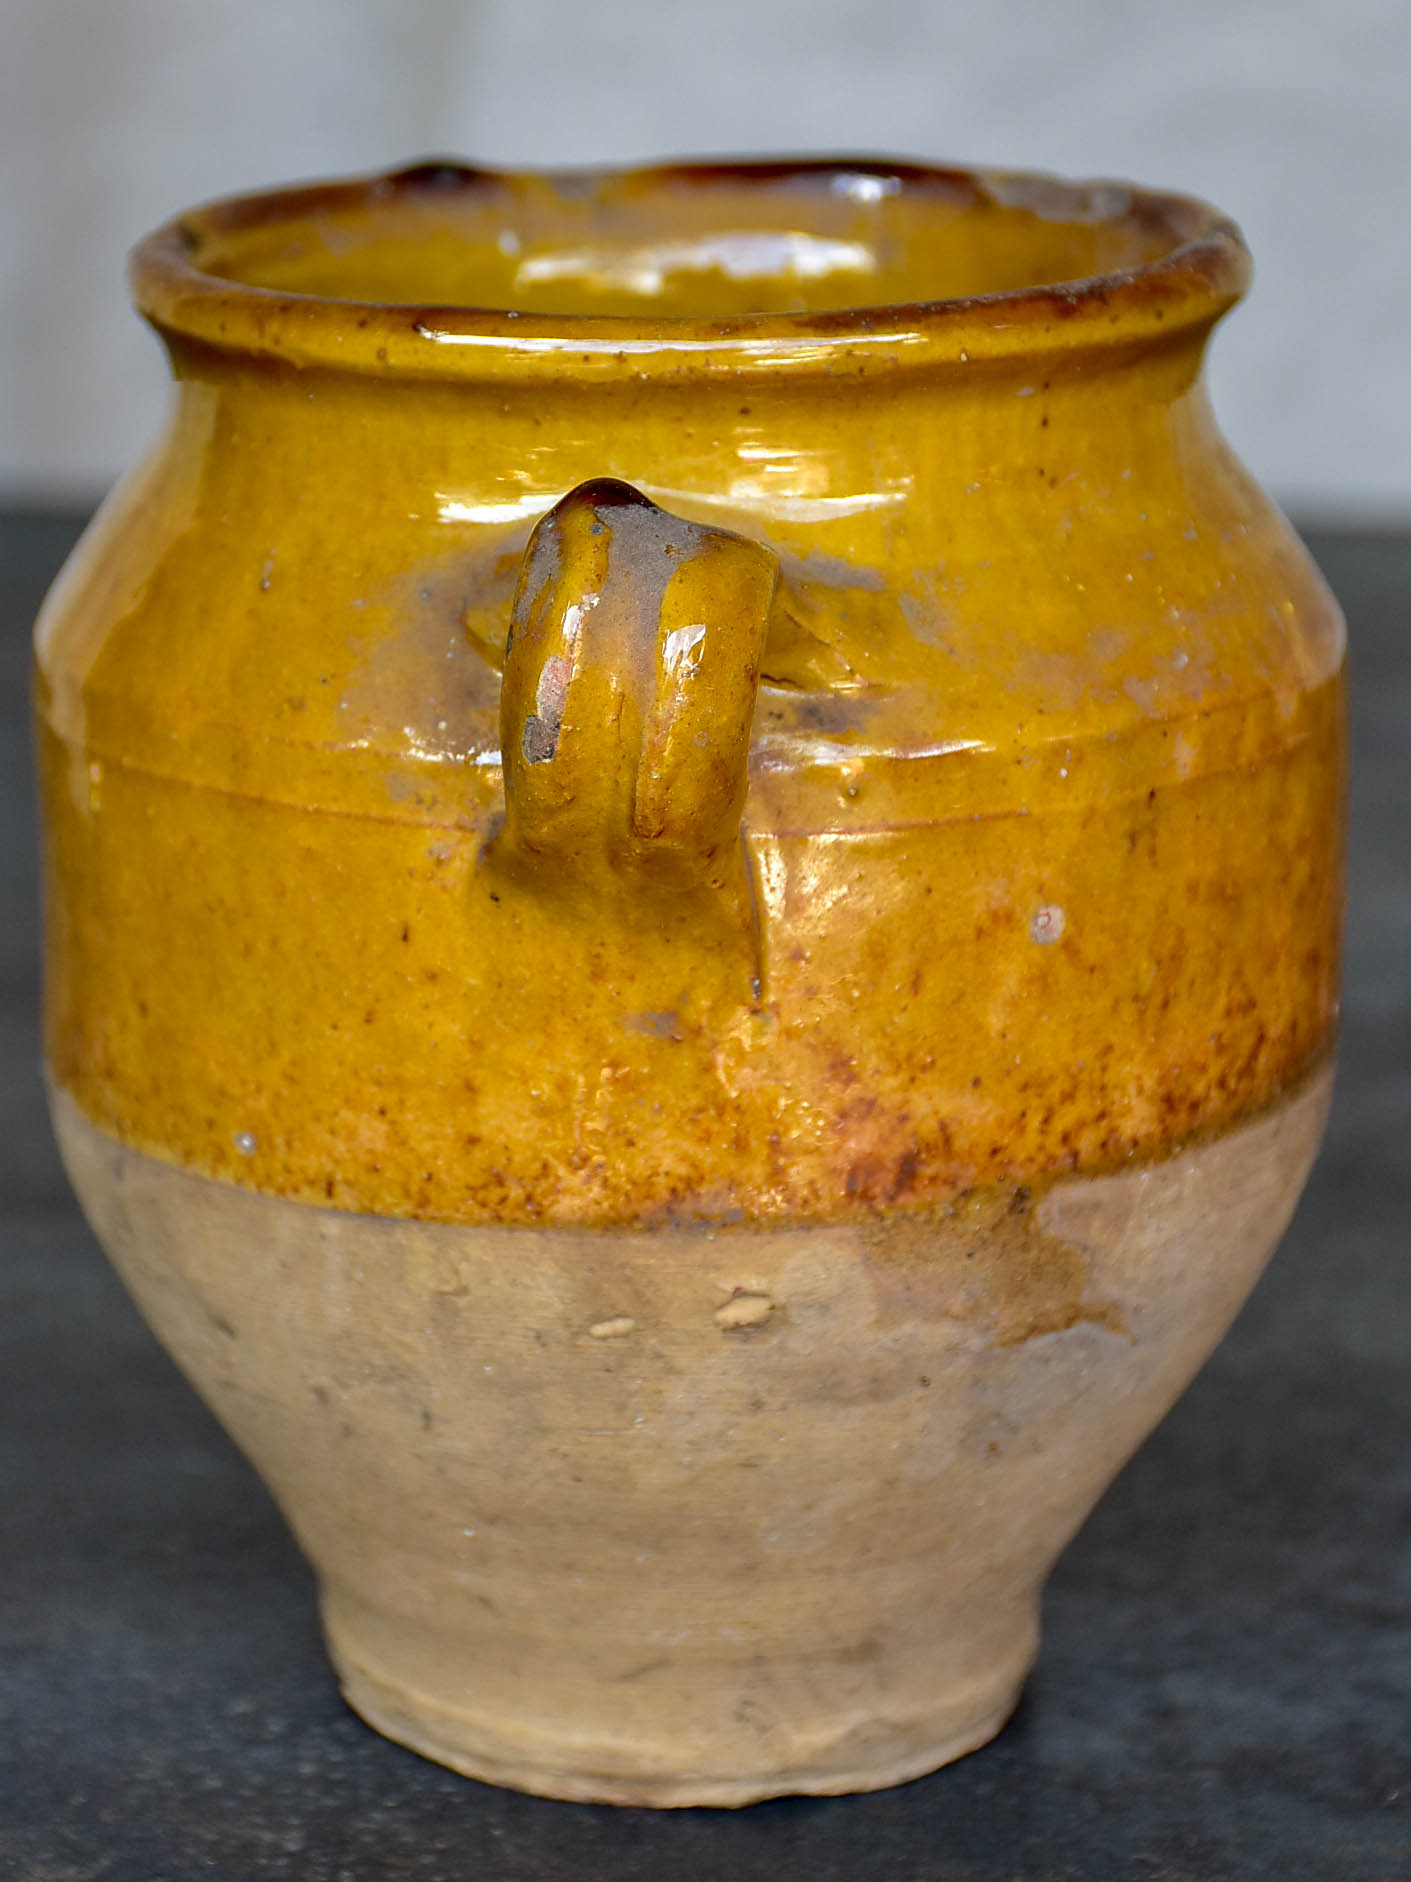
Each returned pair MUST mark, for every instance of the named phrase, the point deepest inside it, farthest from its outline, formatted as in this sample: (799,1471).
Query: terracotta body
(688,1218)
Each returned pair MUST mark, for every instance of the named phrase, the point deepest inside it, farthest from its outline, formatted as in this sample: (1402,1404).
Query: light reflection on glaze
(451,509)
(847,753)
(784,350)
(740,255)
(746,493)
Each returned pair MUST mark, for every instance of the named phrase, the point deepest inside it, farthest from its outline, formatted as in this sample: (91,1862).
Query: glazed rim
(1201,269)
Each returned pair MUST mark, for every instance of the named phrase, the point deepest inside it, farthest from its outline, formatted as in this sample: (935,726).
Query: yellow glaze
(926,774)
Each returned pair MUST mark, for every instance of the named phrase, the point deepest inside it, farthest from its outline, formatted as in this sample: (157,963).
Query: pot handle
(629,686)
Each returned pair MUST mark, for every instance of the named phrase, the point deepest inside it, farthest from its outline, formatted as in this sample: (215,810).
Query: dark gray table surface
(1224,1689)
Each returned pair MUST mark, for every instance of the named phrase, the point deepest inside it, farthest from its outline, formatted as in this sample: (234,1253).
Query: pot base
(866,1758)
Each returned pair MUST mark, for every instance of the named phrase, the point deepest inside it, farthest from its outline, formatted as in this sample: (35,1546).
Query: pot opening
(758,251)
(691,244)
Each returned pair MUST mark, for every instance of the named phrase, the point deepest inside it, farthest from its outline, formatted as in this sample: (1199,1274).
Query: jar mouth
(811,265)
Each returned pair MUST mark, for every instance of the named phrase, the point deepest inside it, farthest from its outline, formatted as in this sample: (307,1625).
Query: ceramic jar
(693,833)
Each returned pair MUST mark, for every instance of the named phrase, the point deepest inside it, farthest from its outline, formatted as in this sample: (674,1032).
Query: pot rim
(1189,285)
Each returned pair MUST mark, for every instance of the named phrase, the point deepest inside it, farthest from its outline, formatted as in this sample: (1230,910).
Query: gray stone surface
(1225,1685)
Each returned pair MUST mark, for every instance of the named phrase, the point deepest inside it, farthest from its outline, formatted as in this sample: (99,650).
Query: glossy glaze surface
(1041,795)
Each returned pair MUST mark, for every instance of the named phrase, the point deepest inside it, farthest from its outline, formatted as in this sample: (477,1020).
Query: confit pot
(693,840)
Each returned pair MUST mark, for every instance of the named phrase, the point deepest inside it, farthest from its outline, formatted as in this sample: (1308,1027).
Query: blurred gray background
(1291,114)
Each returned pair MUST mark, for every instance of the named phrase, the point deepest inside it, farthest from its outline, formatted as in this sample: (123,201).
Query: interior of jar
(718,242)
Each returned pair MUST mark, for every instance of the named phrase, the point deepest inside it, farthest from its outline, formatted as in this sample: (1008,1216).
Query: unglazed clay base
(692,1516)
(862,1755)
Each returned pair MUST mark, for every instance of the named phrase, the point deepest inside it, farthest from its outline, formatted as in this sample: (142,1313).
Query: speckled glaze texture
(639,726)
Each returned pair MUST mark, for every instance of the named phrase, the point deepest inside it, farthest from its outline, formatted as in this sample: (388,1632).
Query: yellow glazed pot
(694,861)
